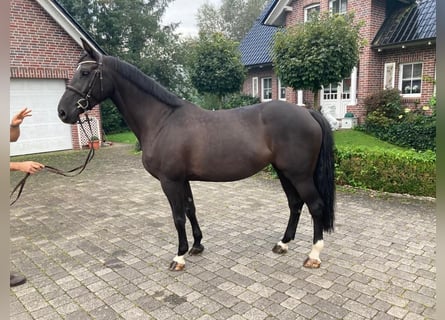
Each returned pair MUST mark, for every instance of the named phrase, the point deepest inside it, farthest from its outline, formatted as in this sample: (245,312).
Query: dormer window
(338,6)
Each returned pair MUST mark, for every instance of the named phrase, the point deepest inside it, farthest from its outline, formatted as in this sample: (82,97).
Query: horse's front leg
(197,247)
(176,195)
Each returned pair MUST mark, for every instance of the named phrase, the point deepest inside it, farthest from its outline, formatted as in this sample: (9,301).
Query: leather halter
(84,102)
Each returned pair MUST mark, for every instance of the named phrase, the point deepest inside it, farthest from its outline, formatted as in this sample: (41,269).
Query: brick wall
(370,67)
(40,48)
(263,72)
(425,54)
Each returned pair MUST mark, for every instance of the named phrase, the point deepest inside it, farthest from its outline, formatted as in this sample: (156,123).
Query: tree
(215,66)
(321,51)
(234,18)
(132,31)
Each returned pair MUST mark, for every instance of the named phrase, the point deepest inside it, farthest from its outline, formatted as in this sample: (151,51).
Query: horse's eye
(85,72)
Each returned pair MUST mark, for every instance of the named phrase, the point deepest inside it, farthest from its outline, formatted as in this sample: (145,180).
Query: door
(340,95)
(44,131)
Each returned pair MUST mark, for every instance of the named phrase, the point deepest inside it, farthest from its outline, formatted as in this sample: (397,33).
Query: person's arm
(26,166)
(14,133)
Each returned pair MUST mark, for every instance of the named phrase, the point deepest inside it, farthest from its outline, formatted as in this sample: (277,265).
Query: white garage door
(43,131)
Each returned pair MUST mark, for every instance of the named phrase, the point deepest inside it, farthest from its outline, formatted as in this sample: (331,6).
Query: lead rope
(69,173)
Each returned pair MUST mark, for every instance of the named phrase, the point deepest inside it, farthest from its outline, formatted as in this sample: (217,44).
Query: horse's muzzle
(70,118)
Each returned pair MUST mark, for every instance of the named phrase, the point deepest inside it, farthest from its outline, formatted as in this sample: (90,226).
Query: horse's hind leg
(312,198)
(295,205)
(197,247)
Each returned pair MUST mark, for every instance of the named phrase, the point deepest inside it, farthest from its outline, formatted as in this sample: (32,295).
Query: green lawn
(124,137)
(341,137)
(360,139)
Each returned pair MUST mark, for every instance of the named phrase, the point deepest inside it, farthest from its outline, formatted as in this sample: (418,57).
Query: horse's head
(86,88)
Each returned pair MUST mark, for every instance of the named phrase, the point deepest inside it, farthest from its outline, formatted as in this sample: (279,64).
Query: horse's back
(290,120)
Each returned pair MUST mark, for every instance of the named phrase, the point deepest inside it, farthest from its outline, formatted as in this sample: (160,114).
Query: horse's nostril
(62,114)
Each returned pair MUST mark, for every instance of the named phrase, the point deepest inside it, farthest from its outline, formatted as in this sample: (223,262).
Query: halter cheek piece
(84,102)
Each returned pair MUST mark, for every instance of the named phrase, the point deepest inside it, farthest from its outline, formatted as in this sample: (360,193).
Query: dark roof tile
(409,23)
(256,46)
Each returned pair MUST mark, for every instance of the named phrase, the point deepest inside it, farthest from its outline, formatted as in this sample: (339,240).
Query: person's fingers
(25,113)
(33,167)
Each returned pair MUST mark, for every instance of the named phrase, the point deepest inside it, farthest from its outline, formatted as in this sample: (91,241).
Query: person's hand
(18,118)
(29,166)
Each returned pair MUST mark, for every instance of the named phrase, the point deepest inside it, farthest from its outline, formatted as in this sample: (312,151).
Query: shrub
(406,128)
(417,132)
(386,103)
(386,170)
(238,100)
(112,121)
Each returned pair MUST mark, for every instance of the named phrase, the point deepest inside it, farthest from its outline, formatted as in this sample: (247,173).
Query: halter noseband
(84,103)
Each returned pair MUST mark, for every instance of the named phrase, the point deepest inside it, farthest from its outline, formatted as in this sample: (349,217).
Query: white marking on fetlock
(179,259)
(283,246)
(316,249)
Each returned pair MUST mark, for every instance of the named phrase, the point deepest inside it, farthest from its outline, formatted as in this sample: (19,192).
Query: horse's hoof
(175,266)
(311,263)
(196,250)
(279,249)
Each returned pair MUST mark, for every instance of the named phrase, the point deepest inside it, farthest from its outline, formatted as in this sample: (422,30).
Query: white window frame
(255,87)
(389,75)
(308,9)
(435,81)
(264,88)
(280,87)
(331,6)
(401,80)
(300,98)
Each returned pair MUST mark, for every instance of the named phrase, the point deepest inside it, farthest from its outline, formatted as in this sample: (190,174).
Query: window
(388,78)
(281,91)
(346,88)
(330,92)
(266,89)
(411,79)
(311,11)
(255,87)
(338,6)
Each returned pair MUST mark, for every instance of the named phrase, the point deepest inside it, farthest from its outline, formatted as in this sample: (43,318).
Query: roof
(408,24)
(256,46)
(276,15)
(68,23)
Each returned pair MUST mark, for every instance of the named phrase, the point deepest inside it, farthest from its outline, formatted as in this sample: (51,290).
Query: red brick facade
(40,48)
(370,69)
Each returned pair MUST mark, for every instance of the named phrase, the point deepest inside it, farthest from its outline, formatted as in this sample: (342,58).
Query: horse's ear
(88,48)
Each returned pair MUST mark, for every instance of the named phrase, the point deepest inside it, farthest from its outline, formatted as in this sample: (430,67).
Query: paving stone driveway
(98,246)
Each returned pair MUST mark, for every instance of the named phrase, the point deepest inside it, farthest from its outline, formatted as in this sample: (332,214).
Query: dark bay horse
(182,142)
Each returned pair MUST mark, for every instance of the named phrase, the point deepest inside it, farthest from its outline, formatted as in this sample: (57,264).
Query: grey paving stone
(378,264)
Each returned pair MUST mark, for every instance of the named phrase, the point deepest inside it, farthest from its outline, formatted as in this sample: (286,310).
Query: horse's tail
(324,175)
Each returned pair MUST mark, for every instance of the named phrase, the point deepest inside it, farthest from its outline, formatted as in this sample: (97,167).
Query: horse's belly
(228,167)
(225,175)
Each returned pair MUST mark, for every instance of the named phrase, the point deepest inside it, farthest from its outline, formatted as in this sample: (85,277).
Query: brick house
(401,52)
(44,48)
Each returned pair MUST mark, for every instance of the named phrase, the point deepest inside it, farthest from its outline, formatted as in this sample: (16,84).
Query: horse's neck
(142,112)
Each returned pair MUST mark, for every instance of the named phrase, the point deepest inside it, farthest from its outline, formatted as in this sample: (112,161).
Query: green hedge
(415,131)
(408,172)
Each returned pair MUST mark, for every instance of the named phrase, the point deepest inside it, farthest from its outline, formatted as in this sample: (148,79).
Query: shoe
(16,279)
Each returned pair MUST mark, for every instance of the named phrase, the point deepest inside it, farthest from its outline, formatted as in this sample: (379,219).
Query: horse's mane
(144,82)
